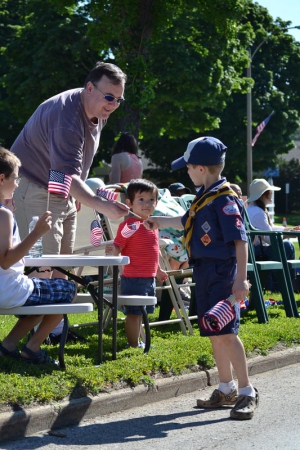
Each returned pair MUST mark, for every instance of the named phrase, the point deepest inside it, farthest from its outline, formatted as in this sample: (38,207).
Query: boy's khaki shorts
(31,200)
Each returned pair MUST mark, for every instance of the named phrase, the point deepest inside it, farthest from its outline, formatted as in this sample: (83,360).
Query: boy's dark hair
(111,71)
(125,143)
(141,185)
(8,162)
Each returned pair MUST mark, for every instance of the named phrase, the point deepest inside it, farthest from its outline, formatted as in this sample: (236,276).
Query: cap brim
(178,163)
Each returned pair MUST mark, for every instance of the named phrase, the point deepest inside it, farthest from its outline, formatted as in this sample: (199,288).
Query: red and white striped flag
(59,183)
(260,128)
(107,194)
(220,315)
(130,229)
(96,234)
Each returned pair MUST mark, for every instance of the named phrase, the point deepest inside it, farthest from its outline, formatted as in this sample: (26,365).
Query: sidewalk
(25,422)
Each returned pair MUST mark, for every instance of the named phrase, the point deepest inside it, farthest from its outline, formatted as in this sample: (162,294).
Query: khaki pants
(31,200)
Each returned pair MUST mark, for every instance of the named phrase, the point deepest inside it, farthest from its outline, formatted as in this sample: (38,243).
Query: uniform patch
(238,223)
(205,227)
(205,240)
(231,209)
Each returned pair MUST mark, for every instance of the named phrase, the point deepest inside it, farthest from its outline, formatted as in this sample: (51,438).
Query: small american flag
(96,233)
(106,193)
(220,315)
(130,229)
(260,128)
(59,183)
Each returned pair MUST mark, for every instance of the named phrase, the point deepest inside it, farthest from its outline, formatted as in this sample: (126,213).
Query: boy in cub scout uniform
(216,242)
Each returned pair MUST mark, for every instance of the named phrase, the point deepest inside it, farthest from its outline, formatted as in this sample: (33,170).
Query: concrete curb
(21,423)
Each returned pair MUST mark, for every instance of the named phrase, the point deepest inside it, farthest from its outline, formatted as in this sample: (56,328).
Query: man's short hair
(111,71)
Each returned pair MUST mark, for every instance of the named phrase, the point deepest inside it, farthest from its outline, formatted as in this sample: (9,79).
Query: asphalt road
(176,424)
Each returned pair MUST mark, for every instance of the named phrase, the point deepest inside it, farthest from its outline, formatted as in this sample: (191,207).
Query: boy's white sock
(247,390)
(227,388)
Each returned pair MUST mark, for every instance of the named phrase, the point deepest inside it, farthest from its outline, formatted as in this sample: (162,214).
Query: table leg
(115,310)
(100,314)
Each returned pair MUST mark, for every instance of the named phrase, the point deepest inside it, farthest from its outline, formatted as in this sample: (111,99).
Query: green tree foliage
(186,65)
(183,60)
(44,52)
(275,73)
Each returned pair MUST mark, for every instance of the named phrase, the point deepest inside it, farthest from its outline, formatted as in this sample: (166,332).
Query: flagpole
(48,200)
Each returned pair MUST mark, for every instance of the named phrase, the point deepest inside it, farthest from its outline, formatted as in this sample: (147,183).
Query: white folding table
(63,263)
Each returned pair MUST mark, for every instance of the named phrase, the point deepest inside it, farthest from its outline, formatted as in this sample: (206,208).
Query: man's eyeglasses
(110,98)
(17,179)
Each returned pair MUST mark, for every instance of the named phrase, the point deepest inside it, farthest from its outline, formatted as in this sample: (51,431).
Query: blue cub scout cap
(204,151)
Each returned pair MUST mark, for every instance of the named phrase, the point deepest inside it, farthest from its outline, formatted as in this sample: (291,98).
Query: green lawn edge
(172,353)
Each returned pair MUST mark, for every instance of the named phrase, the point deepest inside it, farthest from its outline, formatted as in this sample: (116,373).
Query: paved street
(176,424)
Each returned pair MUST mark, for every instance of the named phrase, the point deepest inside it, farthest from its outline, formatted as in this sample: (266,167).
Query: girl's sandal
(39,357)
(12,354)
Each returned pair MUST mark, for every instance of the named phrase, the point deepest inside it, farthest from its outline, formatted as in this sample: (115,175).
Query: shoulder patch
(231,209)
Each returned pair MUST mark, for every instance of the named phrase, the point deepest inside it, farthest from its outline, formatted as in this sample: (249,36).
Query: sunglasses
(110,98)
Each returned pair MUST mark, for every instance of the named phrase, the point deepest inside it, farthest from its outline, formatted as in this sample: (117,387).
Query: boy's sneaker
(218,399)
(140,345)
(245,406)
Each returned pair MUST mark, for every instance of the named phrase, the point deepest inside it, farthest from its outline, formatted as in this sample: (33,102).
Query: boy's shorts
(214,279)
(31,200)
(138,286)
(50,291)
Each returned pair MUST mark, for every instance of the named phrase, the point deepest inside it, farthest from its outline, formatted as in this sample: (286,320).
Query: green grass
(172,353)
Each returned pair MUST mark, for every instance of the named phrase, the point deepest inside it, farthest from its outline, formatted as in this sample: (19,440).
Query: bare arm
(155,222)
(241,286)
(9,255)
(116,168)
(82,193)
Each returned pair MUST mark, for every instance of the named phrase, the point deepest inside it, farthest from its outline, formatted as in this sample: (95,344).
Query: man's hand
(113,210)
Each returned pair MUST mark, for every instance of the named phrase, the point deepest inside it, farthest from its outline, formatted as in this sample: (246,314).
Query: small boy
(142,246)
(16,289)
(216,242)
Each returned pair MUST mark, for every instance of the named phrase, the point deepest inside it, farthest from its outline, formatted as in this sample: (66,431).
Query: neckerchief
(199,203)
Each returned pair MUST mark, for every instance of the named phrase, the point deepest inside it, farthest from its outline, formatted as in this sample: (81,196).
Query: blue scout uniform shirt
(217,225)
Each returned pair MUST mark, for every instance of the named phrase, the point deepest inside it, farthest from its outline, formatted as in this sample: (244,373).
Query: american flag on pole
(96,233)
(260,128)
(59,183)
(107,194)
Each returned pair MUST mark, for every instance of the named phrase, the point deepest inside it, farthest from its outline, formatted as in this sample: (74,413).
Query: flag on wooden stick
(59,183)
(96,234)
(107,194)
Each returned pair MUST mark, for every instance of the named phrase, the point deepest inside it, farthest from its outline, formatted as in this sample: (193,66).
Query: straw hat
(258,187)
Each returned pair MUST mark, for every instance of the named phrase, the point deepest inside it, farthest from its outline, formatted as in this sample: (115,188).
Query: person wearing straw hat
(260,196)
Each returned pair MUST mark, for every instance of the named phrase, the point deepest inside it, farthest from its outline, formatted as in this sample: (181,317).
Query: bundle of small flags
(96,234)
(107,194)
(220,315)
(59,183)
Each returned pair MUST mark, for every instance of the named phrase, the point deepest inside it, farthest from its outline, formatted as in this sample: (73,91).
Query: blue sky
(286,10)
